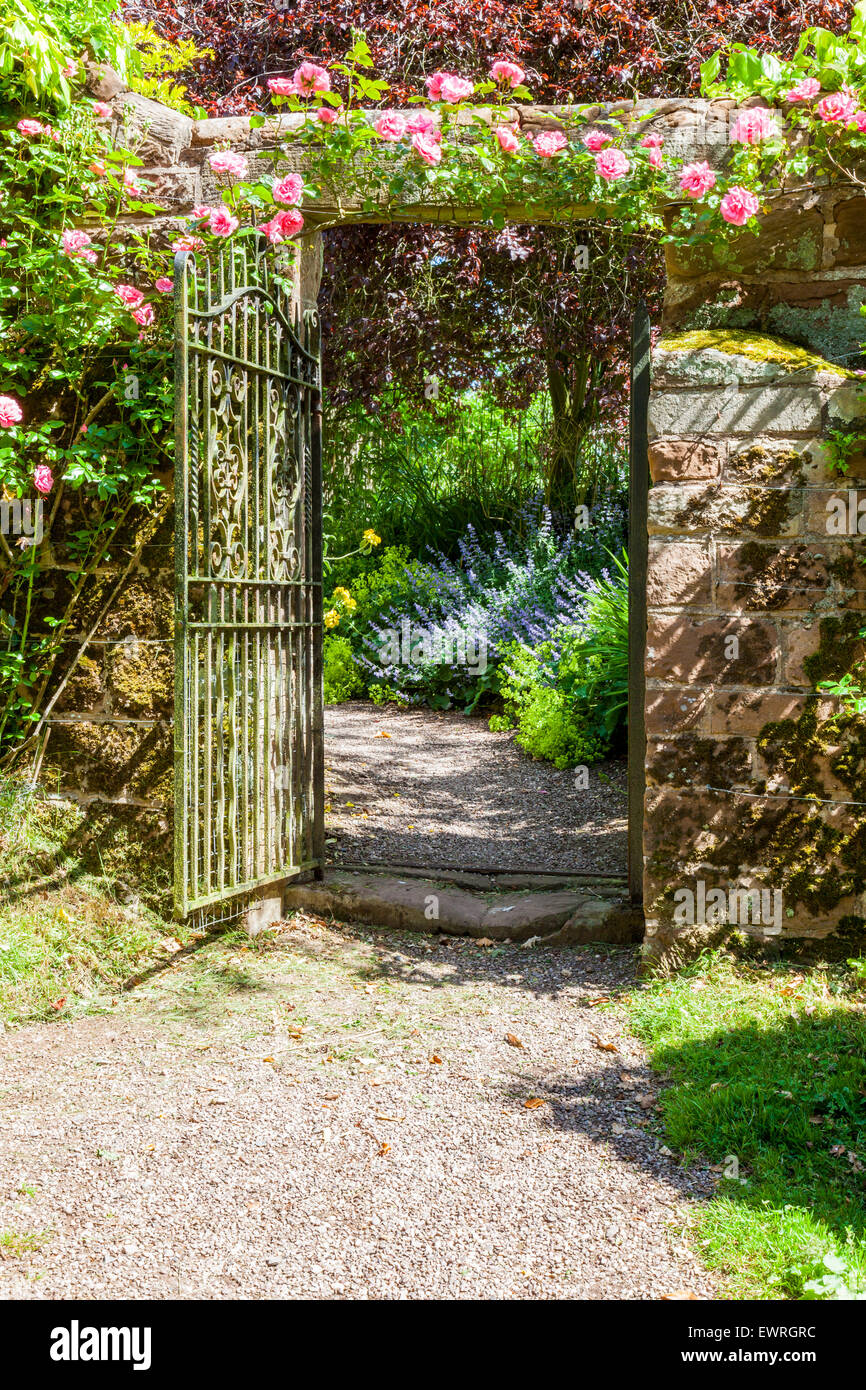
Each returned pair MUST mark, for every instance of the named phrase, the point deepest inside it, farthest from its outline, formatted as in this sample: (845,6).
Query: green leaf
(710,70)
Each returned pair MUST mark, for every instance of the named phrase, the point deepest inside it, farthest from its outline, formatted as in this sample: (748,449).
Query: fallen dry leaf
(484,941)
(513,1040)
(680,1293)
(398,1119)
(533,1103)
(58,1003)
(602,1045)
(646,1102)
(384,1149)
(436,1058)
(382,735)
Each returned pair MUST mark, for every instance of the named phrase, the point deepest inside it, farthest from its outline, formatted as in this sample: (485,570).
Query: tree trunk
(573,384)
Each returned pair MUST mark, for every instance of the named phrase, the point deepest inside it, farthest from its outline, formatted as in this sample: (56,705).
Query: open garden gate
(248,729)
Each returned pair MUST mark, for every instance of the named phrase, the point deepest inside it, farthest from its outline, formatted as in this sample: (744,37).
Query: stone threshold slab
(405,903)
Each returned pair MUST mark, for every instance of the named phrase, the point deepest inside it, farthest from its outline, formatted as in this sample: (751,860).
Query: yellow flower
(332,617)
(371,538)
(343,596)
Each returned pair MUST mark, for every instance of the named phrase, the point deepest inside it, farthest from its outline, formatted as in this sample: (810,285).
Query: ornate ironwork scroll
(249,767)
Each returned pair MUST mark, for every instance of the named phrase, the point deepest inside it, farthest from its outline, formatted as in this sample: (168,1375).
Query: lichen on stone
(757,347)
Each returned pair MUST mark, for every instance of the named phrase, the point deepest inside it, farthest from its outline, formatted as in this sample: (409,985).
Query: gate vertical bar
(317,635)
(638,558)
(181,569)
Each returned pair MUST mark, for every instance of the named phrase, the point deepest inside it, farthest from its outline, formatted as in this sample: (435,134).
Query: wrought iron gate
(248,583)
(638,557)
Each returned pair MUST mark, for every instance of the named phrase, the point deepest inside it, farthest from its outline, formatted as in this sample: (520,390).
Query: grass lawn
(69,937)
(767,1078)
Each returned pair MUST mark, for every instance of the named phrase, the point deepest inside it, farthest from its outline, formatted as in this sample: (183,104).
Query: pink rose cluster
(33,129)
(549,143)
(230,163)
(10,412)
(448,87)
(654,143)
(507,74)
(76,245)
(307,81)
(753,126)
(289,190)
(507,139)
(282,226)
(222,222)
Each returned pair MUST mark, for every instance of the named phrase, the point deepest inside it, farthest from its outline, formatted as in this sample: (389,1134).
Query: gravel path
(337,1113)
(442,790)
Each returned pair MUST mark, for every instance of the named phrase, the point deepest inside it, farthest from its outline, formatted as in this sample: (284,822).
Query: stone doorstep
(558,917)
(614,885)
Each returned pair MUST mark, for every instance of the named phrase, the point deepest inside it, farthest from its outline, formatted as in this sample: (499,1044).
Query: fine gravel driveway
(327,1112)
(420,787)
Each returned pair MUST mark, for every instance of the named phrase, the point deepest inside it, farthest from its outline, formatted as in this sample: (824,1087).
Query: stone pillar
(755,594)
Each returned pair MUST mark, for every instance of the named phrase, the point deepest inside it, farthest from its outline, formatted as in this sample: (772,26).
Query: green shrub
(342,678)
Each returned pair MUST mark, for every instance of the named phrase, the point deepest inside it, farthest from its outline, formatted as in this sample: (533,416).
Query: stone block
(712,651)
(715,509)
(676,711)
(770,577)
(678,575)
(676,460)
(698,759)
(748,712)
(164,133)
(727,410)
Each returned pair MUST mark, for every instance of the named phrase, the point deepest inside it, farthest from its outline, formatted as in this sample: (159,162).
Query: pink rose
(188,243)
(289,189)
(30,128)
(74,242)
(227,162)
(281,86)
(428,144)
(753,126)
(326,115)
(310,79)
(508,141)
(656,158)
(507,74)
(454,89)
(143,315)
(805,90)
(129,295)
(164,285)
(697,179)
(102,110)
(87,255)
(221,222)
(434,84)
(10,412)
(420,122)
(131,184)
(837,108)
(390,127)
(42,478)
(201,212)
(283,225)
(652,142)
(70,68)
(860,121)
(549,143)
(595,140)
(738,205)
(97,168)
(611,165)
